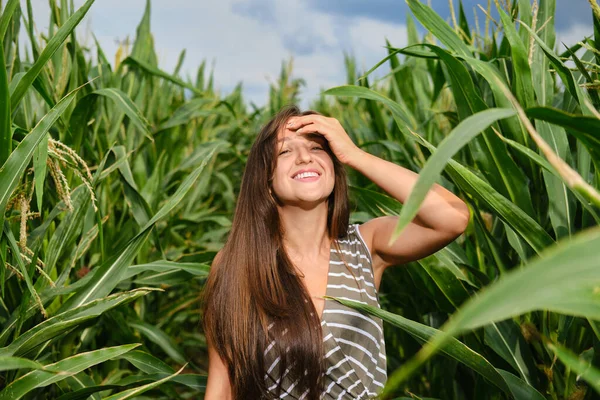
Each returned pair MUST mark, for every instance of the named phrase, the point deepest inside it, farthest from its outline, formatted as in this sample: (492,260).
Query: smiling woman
(269,331)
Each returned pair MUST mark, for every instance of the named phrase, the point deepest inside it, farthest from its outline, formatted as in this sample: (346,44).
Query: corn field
(118,182)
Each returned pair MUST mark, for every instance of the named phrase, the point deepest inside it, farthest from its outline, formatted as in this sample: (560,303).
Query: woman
(269,330)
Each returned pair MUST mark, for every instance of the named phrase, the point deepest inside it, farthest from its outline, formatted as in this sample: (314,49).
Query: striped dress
(353,343)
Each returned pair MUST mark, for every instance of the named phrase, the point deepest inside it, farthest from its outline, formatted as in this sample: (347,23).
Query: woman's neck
(306,234)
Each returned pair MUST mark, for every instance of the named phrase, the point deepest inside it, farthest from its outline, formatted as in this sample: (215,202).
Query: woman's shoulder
(355,242)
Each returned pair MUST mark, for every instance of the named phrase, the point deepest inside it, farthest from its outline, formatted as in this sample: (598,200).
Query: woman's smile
(309,177)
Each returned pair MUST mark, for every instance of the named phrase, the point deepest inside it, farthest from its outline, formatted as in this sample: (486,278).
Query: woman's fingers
(298,122)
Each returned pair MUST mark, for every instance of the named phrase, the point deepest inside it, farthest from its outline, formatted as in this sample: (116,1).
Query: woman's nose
(303,156)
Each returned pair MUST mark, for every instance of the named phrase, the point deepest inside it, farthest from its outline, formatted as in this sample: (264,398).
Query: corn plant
(500,118)
(125,161)
(135,172)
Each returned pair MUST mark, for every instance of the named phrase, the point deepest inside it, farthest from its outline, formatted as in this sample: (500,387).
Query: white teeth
(305,175)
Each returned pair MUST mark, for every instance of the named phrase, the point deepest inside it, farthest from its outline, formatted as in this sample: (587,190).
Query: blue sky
(246,40)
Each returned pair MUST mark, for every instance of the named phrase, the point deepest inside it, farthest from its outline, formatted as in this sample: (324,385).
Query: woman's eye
(318,148)
(284,151)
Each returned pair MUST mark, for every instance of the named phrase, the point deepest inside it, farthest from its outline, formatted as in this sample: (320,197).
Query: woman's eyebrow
(310,136)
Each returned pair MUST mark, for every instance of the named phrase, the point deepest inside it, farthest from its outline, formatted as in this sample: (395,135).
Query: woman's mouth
(307,177)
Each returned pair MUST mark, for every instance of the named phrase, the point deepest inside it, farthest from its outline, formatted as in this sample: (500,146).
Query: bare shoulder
(415,242)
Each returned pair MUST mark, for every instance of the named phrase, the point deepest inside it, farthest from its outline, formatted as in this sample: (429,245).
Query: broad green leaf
(60,370)
(564,279)
(503,96)
(161,339)
(364,93)
(523,82)
(147,363)
(506,340)
(519,388)
(86,392)
(423,333)
(125,105)
(197,382)
(137,63)
(5,120)
(451,348)
(488,151)
(54,44)
(11,363)
(446,281)
(516,218)
(67,232)
(7,14)
(440,29)
(143,47)
(63,322)
(195,108)
(24,270)
(541,286)
(131,393)
(581,126)
(196,269)
(461,135)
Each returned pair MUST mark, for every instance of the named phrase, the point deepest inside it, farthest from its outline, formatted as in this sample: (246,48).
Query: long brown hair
(253,283)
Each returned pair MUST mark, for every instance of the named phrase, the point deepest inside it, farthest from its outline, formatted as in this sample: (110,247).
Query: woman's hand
(339,142)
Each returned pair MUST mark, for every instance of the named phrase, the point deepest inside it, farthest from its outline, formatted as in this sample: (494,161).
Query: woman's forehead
(288,136)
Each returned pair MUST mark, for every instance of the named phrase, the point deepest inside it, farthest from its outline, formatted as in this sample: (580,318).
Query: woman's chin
(306,202)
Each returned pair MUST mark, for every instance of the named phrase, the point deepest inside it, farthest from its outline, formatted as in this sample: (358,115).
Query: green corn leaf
(520,59)
(522,223)
(489,152)
(11,363)
(23,269)
(86,392)
(461,135)
(125,105)
(131,393)
(147,363)
(54,44)
(137,63)
(539,286)
(440,29)
(5,120)
(516,218)
(161,339)
(143,47)
(63,322)
(583,127)
(453,348)
(67,233)
(60,370)
(196,269)
(506,340)
(7,14)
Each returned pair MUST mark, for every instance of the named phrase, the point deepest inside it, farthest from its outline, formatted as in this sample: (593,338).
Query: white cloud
(574,34)
(368,37)
(243,47)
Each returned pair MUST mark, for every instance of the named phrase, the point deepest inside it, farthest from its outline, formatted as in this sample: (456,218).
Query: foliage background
(118,184)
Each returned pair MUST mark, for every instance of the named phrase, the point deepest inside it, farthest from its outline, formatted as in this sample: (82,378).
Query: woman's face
(304,173)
